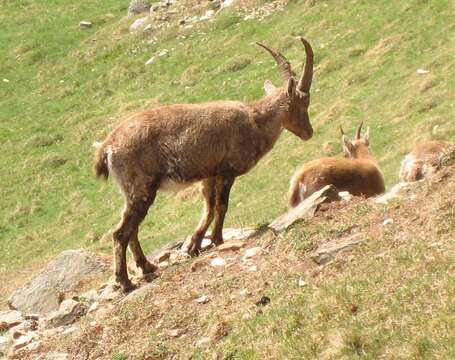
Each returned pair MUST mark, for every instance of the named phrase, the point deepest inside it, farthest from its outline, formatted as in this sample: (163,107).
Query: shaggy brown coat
(359,173)
(176,145)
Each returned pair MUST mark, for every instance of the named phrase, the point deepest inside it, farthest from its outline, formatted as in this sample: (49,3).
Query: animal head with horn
(298,92)
(359,147)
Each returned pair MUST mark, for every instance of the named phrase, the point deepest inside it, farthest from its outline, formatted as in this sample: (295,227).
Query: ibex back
(215,142)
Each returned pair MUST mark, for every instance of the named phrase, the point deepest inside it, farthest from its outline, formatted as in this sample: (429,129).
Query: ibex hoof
(194,250)
(127,286)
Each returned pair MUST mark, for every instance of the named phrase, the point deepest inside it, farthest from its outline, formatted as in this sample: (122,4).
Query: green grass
(69,87)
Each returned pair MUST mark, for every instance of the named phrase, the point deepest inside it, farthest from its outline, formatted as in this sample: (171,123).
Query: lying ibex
(176,145)
(423,161)
(358,173)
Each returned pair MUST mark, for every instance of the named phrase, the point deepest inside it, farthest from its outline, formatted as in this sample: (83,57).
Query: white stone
(253,268)
(93,307)
(150,61)
(387,222)
(252,252)
(203,299)
(174,333)
(302,282)
(69,330)
(205,243)
(327,252)
(226,4)
(138,23)
(148,27)
(218,261)
(203,341)
(109,293)
(5,80)
(9,319)
(85,24)
(422,71)
(67,313)
(24,340)
(208,14)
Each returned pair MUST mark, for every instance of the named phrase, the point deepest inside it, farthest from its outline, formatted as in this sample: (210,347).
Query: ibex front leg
(208,190)
(223,188)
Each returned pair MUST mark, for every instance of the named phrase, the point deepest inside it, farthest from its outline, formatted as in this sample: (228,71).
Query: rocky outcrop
(43,293)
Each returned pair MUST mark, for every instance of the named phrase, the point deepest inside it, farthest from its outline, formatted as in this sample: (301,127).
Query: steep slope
(67,87)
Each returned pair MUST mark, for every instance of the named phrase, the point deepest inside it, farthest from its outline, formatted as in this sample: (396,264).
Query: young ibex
(176,145)
(358,173)
(423,161)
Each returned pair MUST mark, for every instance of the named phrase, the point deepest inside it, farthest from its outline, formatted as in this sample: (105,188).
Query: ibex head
(357,148)
(298,93)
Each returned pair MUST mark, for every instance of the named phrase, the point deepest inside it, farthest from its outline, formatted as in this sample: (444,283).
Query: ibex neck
(268,114)
(365,154)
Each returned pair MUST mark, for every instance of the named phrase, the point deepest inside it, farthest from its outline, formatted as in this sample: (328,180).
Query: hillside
(63,87)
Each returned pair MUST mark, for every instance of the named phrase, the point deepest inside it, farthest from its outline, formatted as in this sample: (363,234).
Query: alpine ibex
(358,173)
(423,161)
(176,145)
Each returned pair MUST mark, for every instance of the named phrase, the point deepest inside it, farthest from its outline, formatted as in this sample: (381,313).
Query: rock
(306,209)
(138,6)
(24,340)
(110,292)
(178,256)
(148,28)
(203,299)
(5,80)
(21,329)
(138,24)
(231,245)
(218,261)
(84,24)
(422,71)
(9,319)
(208,14)
(205,243)
(302,282)
(265,300)
(226,3)
(68,312)
(203,341)
(174,333)
(69,330)
(252,268)
(57,356)
(395,192)
(252,252)
(327,252)
(42,294)
(4,342)
(93,307)
(345,195)
(150,61)
(387,222)
(89,297)
(163,52)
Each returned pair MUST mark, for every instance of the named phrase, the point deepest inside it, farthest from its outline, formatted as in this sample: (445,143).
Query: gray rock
(68,312)
(9,319)
(306,209)
(85,24)
(21,329)
(24,340)
(138,24)
(4,342)
(138,6)
(42,294)
(327,252)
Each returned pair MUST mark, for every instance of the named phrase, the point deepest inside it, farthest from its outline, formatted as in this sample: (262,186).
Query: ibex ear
(347,146)
(366,137)
(269,87)
(291,87)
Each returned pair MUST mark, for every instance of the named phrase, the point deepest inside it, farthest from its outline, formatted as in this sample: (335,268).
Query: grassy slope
(68,87)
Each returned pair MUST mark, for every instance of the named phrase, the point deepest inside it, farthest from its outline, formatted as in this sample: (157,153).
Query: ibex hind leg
(126,234)
(223,188)
(208,191)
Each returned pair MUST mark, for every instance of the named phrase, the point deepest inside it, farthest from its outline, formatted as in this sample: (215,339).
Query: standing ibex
(358,173)
(423,161)
(215,142)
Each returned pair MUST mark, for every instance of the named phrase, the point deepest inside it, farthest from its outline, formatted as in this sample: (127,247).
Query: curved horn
(307,75)
(341,130)
(282,62)
(357,135)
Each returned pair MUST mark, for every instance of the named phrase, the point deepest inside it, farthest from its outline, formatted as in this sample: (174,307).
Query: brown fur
(176,145)
(359,173)
(423,161)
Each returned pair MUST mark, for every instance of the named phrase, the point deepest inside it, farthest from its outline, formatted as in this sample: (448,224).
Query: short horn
(357,135)
(307,75)
(283,63)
